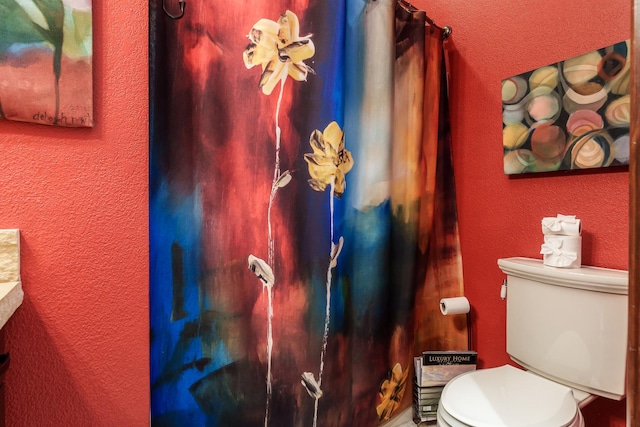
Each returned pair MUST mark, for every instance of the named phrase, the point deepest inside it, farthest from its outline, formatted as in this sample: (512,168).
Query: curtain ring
(182,3)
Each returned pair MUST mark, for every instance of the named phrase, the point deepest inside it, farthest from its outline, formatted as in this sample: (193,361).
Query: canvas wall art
(46,62)
(570,115)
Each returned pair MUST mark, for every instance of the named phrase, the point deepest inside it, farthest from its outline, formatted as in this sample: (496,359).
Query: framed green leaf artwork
(46,62)
(570,115)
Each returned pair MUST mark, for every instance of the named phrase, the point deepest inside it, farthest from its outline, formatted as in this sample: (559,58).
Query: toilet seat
(507,397)
(444,419)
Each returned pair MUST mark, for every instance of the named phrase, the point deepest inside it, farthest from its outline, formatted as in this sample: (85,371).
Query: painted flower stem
(269,351)
(270,250)
(327,311)
(276,174)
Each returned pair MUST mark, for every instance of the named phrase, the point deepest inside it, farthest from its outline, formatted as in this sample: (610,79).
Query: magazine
(439,367)
(433,370)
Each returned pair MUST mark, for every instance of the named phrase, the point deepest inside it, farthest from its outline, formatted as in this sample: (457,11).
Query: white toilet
(568,329)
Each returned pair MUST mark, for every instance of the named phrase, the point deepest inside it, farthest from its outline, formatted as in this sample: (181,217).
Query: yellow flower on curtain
(279,49)
(329,160)
(391,392)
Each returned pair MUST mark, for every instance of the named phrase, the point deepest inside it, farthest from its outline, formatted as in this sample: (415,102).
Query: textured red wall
(500,216)
(79,343)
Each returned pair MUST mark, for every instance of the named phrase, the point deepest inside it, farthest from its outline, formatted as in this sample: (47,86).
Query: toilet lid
(508,397)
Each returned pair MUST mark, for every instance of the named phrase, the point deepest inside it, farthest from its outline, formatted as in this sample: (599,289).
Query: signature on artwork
(64,119)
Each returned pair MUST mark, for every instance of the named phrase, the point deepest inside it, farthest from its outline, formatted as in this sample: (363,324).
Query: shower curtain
(302,209)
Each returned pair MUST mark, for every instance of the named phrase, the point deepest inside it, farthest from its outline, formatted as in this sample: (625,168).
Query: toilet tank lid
(591,278)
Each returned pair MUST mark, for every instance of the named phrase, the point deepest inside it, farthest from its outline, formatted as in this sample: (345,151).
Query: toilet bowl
(507,397)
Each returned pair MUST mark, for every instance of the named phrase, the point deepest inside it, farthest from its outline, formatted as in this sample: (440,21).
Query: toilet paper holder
(457,306)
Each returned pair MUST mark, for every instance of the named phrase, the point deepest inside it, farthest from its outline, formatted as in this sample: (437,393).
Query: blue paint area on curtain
(369,109)
(273,219)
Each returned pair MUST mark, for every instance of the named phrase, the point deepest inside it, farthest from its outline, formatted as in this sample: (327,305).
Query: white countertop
(11,293)
(11,296)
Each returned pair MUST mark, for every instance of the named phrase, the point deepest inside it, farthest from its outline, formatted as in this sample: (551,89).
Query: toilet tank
(568,324)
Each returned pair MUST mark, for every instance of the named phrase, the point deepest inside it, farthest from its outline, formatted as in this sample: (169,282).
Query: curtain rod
(446,30)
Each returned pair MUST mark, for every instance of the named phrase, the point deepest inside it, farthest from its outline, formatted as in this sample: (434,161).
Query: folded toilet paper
(566,225)
(562,251)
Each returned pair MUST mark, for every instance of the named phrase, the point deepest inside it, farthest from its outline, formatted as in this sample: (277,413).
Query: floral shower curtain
(303,224)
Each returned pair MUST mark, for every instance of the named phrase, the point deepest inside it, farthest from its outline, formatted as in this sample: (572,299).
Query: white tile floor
(405,419)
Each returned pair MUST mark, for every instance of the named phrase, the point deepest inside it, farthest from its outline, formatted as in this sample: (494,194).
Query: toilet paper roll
(457,305)
(565,225)
(562,251)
